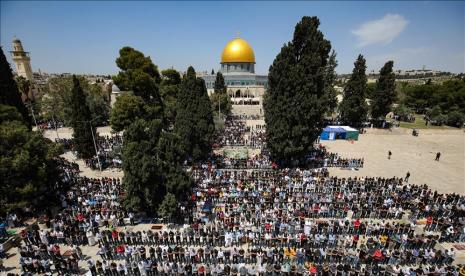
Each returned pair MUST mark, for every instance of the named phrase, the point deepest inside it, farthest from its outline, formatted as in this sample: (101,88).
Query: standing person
(438,155)
(407,177)
(389,154)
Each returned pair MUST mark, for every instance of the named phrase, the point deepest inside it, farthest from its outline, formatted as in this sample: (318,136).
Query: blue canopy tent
(339,132)
(332,133)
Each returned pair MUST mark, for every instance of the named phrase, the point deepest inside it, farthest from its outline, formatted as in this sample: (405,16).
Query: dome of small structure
(238,50)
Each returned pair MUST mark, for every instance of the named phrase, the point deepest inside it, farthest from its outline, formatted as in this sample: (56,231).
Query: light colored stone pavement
(88,172)
(66,132)
(409,153)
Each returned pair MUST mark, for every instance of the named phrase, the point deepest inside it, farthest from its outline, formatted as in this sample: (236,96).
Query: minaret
(22,60)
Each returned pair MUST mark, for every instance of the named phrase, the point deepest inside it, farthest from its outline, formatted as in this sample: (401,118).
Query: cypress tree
(353,108)
(330,79)
(142,174)
(194,119)
(9,93)
(220,100)
(297,99)
(204,125)
(81,122)
(385,92)
(29,173)
(220,87)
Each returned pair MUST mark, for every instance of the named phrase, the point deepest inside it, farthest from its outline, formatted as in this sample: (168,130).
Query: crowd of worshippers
(246,117)
(318,158)
(257,197)
(290,222)
(256,139)
(259,161)
(255,222)
(88,205)
(233,133)
(51,124)
(321,157)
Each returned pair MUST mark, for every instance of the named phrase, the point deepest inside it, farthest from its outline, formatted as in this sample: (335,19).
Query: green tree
(169,94)
(353,109)
(220,99)
(98,107)
(9,113)
(220,86)
(168,208)
(170,77)
(455,119)
(330,80)
(371,87)
(152,152)
(138,74)
(169,90)
(297,99)
(55,102)
(142,176)
(81,122)
(194,119)
(27,168)
(385,92)
(127,109)
(25,88)
(9,93)
(27,96)
(405,113)
(221,102)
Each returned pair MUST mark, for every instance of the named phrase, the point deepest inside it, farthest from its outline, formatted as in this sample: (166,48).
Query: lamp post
(93,139)
(95,144)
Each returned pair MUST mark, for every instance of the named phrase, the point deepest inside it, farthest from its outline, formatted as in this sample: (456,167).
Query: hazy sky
(84,37)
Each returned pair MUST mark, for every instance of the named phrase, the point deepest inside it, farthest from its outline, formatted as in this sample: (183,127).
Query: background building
(22,60)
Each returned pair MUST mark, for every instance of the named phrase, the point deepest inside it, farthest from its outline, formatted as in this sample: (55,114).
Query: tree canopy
(170,77)
(194,118)
(438,101)
(447,96)
(28,169)
(298,96)
(353,108)
(385,92)
(169,90)
(152,152)
(81,122)
(55,100)
(9,93)
(220,99)
(330,80)
(142,176)
(127,109)
(138,74)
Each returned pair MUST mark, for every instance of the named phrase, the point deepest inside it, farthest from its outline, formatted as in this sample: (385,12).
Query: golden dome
(238,50)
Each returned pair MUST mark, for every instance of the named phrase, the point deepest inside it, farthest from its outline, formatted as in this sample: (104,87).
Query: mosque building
(238,69)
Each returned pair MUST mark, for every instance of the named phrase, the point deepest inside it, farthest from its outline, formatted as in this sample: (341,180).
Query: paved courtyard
(409,153)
